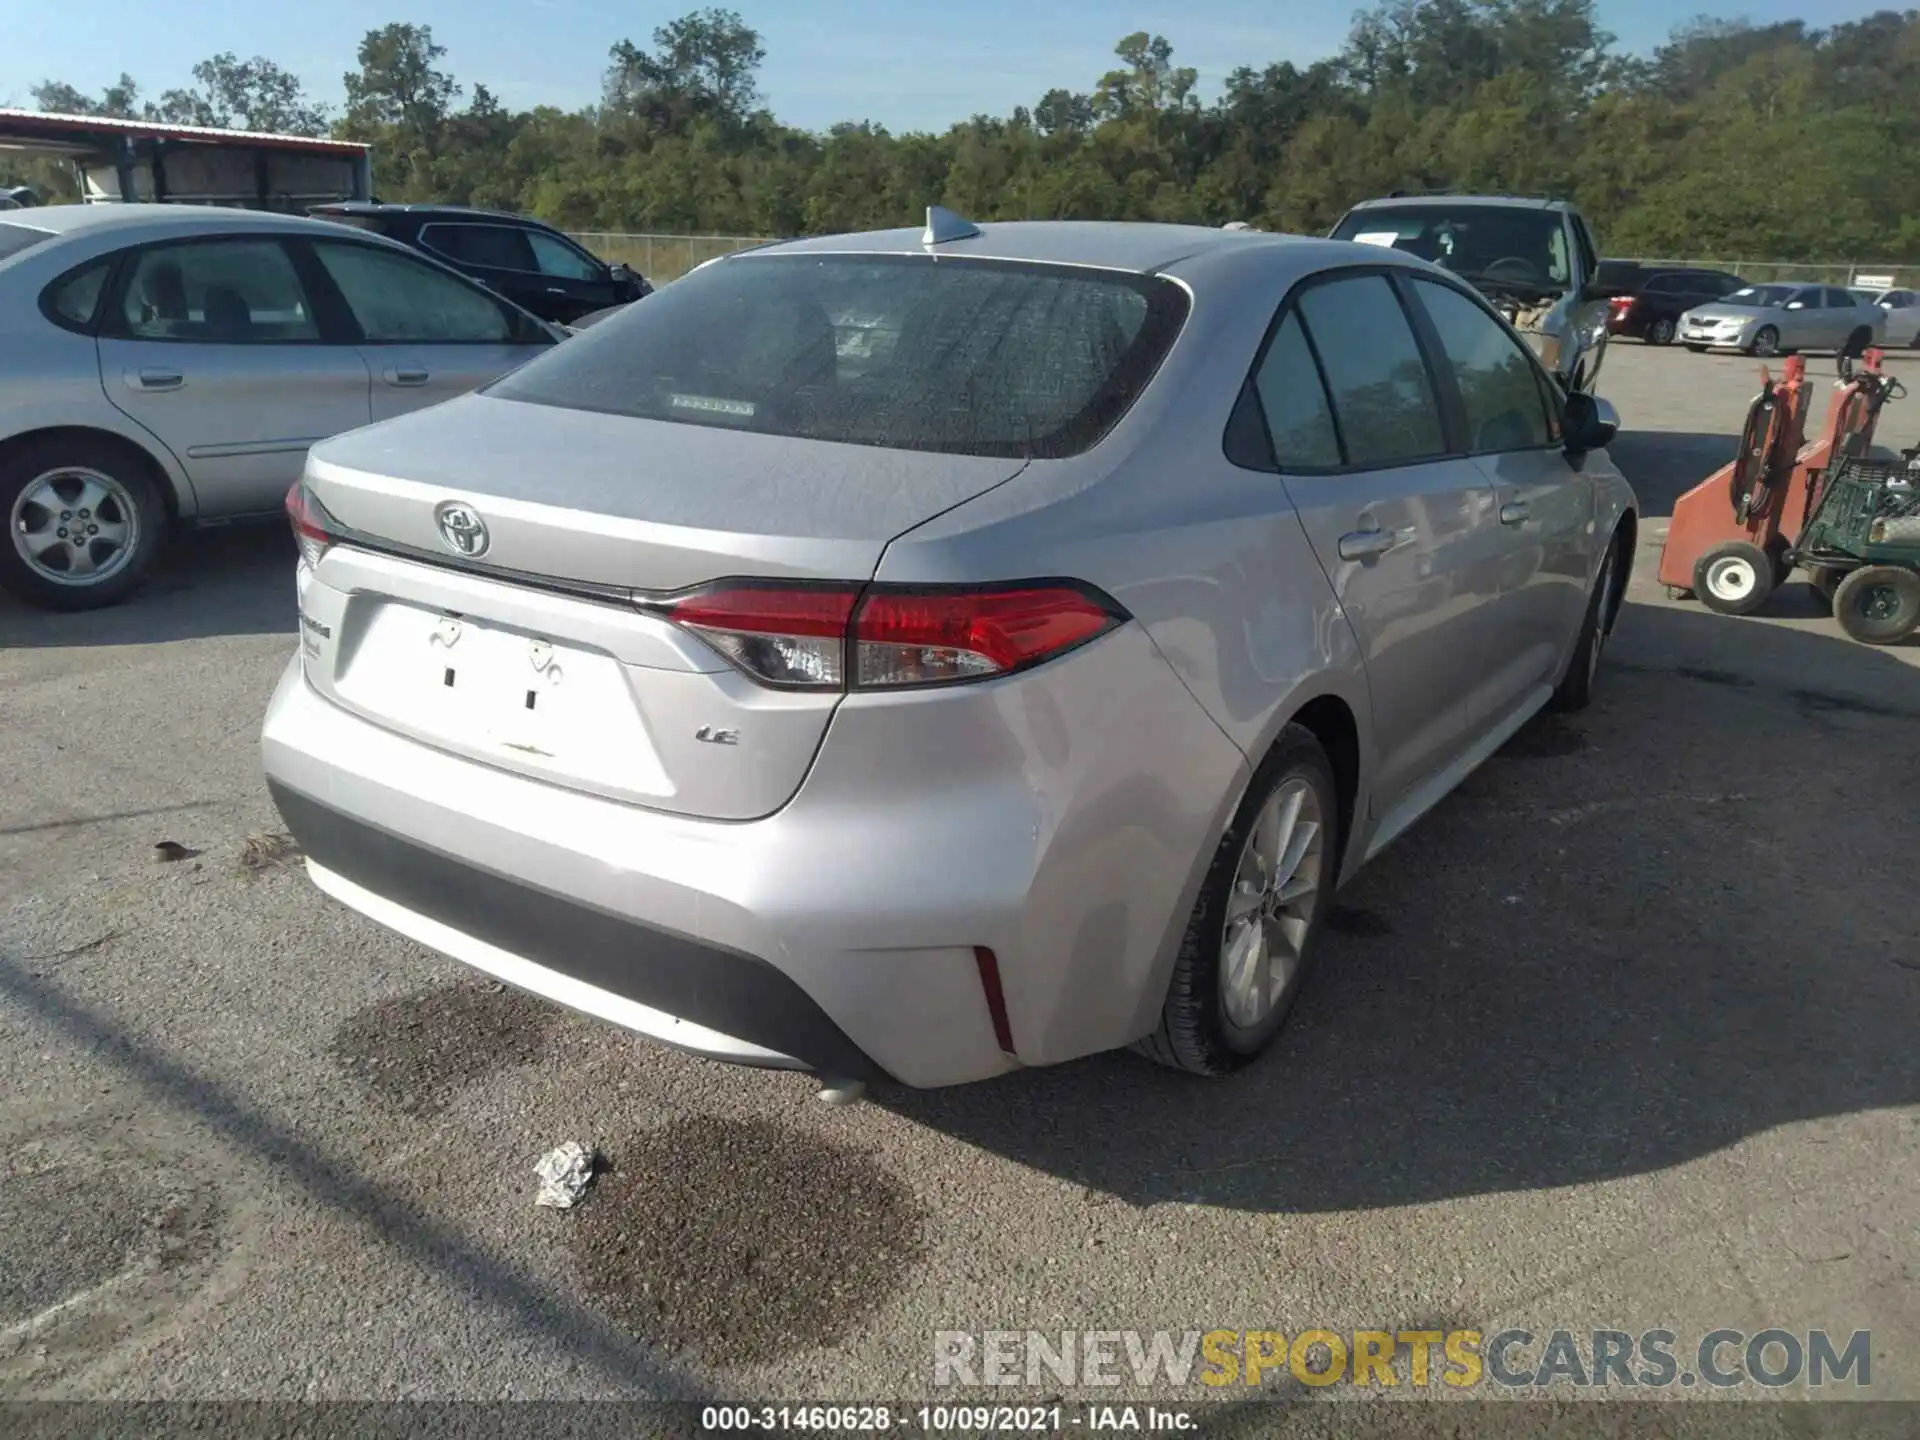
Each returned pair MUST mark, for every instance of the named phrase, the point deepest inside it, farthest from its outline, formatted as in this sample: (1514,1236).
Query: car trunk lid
(481,594)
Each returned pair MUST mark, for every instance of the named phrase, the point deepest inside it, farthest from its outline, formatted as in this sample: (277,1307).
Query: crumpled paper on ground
(564,1173)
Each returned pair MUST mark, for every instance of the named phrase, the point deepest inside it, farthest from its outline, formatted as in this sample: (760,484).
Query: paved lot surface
(1623,1035)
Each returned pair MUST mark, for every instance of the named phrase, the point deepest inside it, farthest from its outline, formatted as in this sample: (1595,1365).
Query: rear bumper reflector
(989,964)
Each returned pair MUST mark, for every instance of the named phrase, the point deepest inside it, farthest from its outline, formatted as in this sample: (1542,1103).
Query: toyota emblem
(462,528)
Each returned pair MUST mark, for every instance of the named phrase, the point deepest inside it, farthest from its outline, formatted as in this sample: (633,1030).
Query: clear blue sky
(908,66)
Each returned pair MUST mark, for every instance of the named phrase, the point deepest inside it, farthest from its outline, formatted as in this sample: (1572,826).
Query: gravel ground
(1622,1035)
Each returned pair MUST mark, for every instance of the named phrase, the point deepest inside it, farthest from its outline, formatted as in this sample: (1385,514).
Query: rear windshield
(911,352)
(15,238)
(1767,295)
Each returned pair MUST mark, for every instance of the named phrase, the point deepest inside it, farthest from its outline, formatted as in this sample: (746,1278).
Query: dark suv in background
(531,264)
(1647,301)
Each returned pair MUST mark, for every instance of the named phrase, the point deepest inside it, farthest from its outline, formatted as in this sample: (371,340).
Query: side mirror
(1588,423)
(1796,305)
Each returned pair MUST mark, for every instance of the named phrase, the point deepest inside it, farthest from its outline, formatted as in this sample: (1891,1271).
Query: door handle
(407,377)
(149,377)
(1366,544)
(555,290)
(1515,512)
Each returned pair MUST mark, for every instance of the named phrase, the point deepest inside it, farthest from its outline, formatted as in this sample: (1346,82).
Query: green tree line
(1780,141)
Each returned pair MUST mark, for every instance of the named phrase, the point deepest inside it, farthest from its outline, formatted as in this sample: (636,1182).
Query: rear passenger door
(426,336)
(1543,507)
(1398,523)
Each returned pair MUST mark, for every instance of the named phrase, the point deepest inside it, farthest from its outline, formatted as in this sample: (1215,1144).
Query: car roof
(109,218)
(1139,246)
(1442,199)
(469,212)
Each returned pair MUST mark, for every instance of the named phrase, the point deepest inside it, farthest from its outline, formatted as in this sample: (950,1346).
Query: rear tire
(1575,690)
(1206,1024)
(1734,578)
(1660,332)
(1878,604)
(74,502)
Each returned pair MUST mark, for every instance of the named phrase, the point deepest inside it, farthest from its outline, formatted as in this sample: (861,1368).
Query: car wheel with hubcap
(1575,690)
(1660,332)
(85,521)
(1766,341)
(1878,604)
(1734,579)
(1251,937)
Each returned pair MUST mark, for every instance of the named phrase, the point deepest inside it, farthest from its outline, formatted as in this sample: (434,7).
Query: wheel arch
(175,492)
(1626,536)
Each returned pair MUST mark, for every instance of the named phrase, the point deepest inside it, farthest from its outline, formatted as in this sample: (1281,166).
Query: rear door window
(948,353)
(240,291)
(492,247)
(1382,394)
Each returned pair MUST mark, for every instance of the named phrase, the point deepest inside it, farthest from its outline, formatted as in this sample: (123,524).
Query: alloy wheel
(75,526)
(1271,904)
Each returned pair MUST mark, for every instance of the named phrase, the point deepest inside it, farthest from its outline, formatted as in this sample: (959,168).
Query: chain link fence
(1871,274)
(662,257)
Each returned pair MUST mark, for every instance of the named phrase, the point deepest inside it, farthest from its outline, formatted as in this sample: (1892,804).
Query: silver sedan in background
(165,364)
(1779,319)
(924,655)
(1902,309)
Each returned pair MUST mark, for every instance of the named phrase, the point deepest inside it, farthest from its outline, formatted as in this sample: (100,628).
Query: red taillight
(834,637)
(1622,303)
(929,638)
(310,523)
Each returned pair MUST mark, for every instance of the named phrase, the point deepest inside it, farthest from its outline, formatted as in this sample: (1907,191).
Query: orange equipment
(1731,537)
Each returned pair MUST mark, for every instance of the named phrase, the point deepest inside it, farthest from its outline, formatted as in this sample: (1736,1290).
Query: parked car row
(1714,310)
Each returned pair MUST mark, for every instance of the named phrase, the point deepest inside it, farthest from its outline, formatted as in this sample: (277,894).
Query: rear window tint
(15,238)
(965,356)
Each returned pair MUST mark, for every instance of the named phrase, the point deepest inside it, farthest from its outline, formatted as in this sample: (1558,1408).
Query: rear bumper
(697,996)
(1062,818)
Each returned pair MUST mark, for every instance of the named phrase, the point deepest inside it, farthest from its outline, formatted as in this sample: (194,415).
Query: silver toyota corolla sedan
(925,655)
(1774,319)
(166,364)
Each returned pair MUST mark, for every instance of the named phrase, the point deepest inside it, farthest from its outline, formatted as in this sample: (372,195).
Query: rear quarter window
(953,354)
